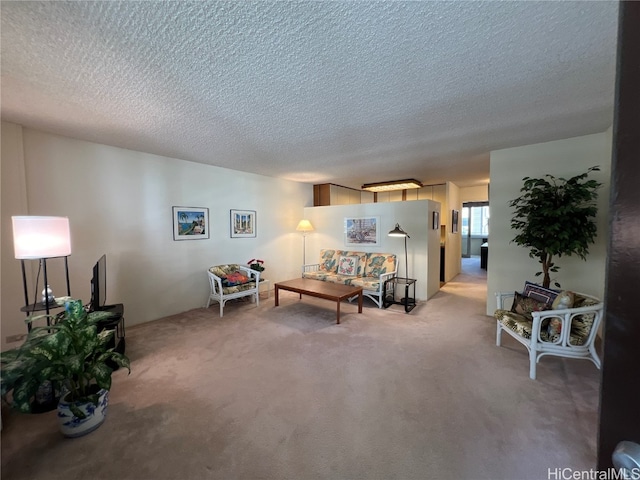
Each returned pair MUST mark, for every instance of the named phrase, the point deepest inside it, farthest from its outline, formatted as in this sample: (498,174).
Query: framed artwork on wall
(190,223)
(360,231)
(436,220)
(454,221)
(243,223)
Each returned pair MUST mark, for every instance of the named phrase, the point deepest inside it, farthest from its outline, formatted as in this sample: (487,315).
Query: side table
(263,282)
(390,293)
(116,323)
(47,307)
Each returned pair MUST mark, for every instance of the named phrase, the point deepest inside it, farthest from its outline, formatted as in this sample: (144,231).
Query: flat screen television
(99,284)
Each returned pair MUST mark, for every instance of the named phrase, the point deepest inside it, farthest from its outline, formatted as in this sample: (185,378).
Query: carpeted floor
(285,393)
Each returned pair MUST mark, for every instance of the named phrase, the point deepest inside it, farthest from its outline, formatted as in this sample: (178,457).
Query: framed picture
(436,220)
(243,223)
(360,231)
(190,223)
(454,221)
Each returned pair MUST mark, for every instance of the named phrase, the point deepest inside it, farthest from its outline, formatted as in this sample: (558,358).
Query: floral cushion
(525,305)
(348,265)
(224,270)
(516,322)
(581,324)
(362,259)
(379,263)
(367,283)
(238,288)
(319,275)
(233,279)
(328,261)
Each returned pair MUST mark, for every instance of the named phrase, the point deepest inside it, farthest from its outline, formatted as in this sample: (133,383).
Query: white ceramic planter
(71,426)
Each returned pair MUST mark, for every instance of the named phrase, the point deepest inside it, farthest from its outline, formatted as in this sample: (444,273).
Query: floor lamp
(305,227)
(409,303)
(398,232)
(41,238)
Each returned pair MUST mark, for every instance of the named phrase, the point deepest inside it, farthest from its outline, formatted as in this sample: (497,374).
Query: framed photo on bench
(360,231)
(243,223)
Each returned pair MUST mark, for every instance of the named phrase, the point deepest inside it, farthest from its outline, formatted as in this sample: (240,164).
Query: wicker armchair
(222,289)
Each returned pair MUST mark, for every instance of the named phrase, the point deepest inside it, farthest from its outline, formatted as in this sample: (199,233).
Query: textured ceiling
(341,92)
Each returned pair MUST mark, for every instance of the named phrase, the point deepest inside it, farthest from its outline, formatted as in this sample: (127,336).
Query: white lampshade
(304,226)
(41,237)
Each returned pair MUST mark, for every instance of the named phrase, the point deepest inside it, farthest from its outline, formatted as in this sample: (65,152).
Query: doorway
(475,227)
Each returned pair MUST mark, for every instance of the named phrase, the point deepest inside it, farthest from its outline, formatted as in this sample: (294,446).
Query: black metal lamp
(399,232)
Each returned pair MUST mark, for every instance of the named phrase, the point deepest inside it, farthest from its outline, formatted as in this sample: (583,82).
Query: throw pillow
(233,279)
(539,293)
(563,300)
(348,265)
(327,262)
(525,305)
(581,324)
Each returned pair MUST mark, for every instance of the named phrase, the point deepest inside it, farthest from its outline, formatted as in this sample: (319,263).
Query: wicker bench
(220,289)
(569,332)
(368,270)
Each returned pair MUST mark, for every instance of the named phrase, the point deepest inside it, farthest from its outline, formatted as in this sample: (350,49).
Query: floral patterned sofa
(232,281)
(368,270)
(539,320)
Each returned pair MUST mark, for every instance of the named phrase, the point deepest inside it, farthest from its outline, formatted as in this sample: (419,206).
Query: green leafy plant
(555,217)
(70,351)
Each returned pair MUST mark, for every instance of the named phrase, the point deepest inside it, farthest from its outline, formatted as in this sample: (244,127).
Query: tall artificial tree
(556,217)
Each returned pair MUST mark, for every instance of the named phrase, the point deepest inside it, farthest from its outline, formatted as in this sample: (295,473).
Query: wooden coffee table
(317,288)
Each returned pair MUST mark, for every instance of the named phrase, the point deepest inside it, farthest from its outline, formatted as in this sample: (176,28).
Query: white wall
(478,193)
(509,265)
(119,203)
(414,217)
(453,241)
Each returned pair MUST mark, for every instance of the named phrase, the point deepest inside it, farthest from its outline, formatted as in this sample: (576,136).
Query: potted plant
(555,217)
(256,264)
(72,353)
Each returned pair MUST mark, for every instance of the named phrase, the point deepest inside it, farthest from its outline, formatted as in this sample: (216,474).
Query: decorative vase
(47,295)
(72,426)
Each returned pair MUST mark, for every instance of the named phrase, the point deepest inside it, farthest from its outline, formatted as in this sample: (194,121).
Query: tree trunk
(545,260)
